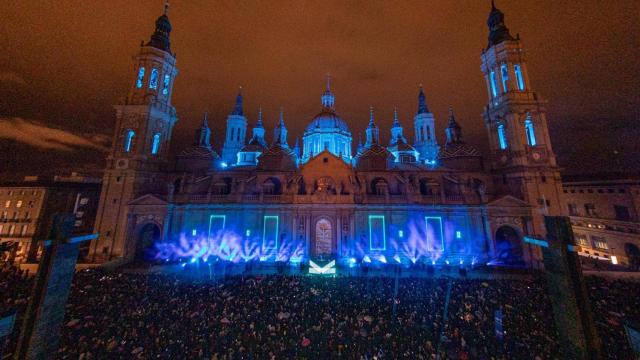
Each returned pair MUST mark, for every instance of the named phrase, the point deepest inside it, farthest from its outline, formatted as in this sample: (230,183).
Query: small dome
(327,120)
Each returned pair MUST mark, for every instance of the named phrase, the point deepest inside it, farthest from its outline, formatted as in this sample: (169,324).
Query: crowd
(157,316)
(614,303)
(15,288)
(285,317)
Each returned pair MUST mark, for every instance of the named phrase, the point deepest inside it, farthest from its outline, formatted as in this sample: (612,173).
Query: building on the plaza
(605,217)
(27,209)
(403,201)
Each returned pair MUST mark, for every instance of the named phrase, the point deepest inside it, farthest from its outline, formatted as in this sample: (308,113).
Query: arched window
(428,133)
(233,132)
(165,84)
(492,80)
(140,77)
(529,130)
(505,76)
(502,137)
(519,78)
(155,147)
(128,140)
(153,81)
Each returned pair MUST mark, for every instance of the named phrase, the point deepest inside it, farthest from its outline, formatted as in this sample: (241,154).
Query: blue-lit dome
(327,131)
(327,121)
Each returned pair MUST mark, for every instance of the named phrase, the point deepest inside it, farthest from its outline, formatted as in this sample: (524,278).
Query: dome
(327,120)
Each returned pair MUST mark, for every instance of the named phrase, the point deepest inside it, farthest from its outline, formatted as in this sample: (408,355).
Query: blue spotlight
(193,260)
(224,164)
(194,232)
(248,232)
(447,261)
(184,264)
(366,259)
(458,234)
(352,260)
(396,258)
(205,259)
(383,259)
(400,234)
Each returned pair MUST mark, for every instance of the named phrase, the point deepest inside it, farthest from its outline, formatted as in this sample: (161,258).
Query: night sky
(64,63)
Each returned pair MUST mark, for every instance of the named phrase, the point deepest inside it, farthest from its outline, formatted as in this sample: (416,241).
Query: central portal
(324,238)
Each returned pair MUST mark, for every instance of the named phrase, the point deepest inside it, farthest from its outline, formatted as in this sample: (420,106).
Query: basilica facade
(408,200)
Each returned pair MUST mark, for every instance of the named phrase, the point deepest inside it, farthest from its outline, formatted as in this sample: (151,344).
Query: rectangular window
(573,209)
(153,81)
(19,204)
(140,77)
(270,232)
(590,209)
(217,224)
(505,76)
(155,147)
(599,242)
(24,230)
(622,213)
(128,141)
(12,229)
(492,80)
(165,84)
(377,233)
(519,78)
(1,228)
(435,235)
(581,239)
(502,137)
(7,203)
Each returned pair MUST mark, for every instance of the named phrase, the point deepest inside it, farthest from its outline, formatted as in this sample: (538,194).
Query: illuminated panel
(435,236)
(327,269)
(216,224)
(270,232)
(377,233)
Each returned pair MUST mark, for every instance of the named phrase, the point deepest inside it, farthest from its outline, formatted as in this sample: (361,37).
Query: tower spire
(371,121)
(498,31)
(160,37)
(422,102)
(237,110)
(396,123)
(259,122)
(453,131)
(328,98)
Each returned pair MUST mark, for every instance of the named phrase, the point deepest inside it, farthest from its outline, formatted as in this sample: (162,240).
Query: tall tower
(236,132)
(396,130)
(139,154)
(515,118)
(424,129)
(280,132)
(372,131)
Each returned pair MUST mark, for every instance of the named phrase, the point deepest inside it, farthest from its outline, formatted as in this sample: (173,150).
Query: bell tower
(140,147)
(522,158)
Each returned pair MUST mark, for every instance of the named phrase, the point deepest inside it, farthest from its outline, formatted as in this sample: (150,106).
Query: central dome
(327,120)
(327,131)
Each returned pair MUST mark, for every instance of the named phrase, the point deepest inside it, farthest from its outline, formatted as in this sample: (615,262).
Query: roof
(456,150)
(327,119)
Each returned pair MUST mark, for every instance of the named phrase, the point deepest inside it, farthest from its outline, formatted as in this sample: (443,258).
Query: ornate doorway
(324,238)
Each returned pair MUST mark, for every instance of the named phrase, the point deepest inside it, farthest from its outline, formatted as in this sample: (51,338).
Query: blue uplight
(194,232)
(224,164)
(458,234)
(366,259)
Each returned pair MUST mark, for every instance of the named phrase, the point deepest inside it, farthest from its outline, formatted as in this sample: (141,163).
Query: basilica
(405,201)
